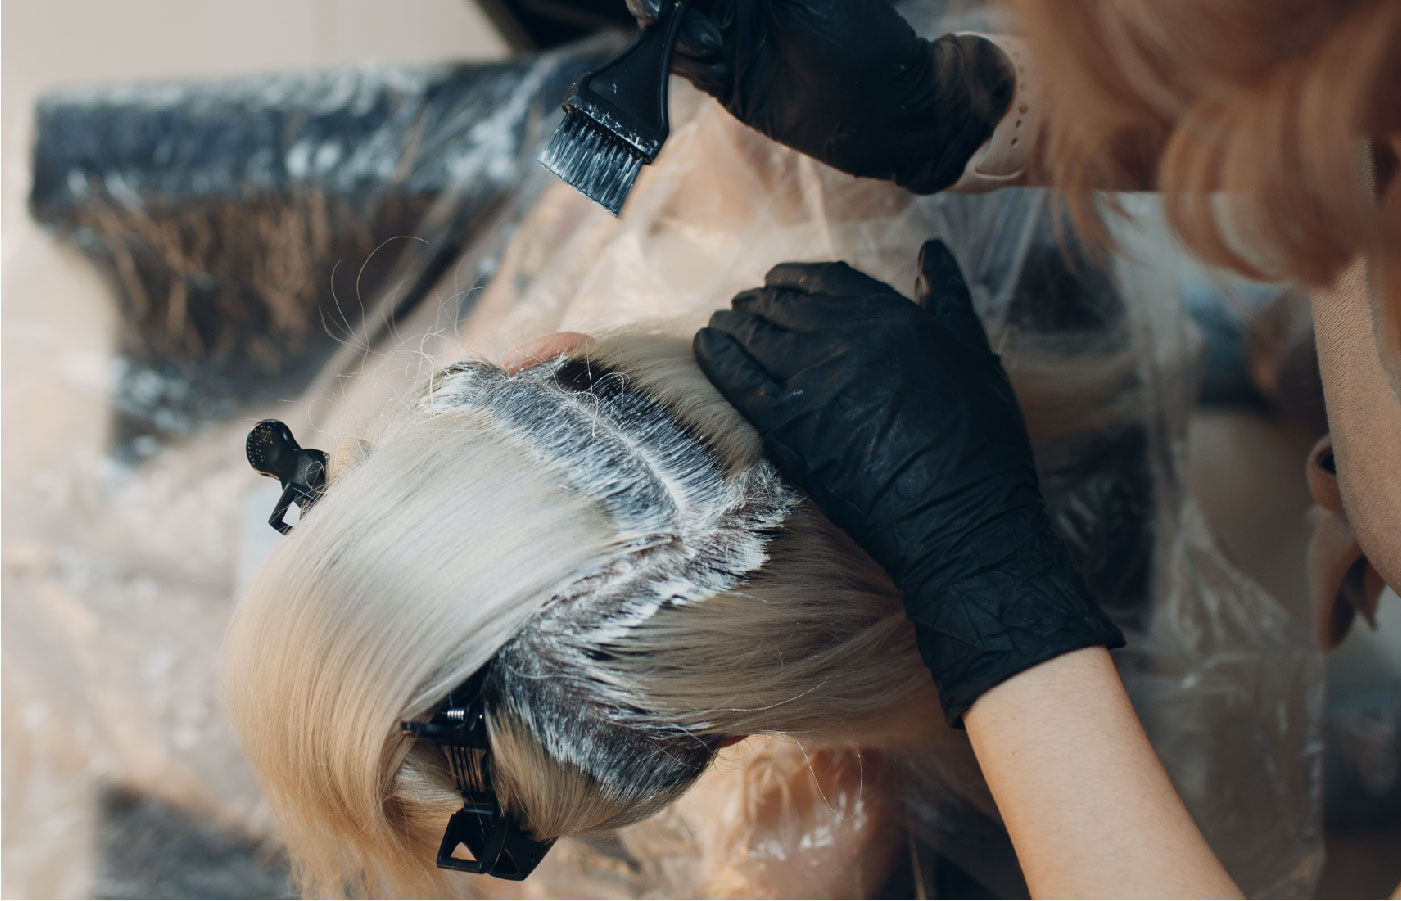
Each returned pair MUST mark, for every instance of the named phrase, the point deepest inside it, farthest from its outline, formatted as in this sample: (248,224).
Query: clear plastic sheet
(118,578)
(242,224)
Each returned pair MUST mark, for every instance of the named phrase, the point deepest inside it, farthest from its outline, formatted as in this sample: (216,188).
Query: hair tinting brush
(615,117)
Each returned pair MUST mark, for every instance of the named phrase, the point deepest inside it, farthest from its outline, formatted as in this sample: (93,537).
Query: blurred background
(95,804)
(198,215)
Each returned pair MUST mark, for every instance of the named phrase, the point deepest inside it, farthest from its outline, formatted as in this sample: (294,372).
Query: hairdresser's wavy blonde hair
(603,532)
(1249,115)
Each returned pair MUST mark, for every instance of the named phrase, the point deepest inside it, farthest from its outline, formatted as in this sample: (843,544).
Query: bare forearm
(1086,801)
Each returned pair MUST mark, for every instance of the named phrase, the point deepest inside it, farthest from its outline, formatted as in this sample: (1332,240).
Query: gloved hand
(899,421)
(848,83)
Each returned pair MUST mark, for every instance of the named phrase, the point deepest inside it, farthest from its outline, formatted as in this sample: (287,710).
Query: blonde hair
(1250,116)
(603,534)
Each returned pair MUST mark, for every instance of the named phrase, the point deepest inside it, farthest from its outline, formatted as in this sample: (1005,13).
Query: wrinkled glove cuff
(976,635)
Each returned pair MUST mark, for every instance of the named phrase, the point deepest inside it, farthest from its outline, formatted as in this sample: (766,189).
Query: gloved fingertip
(727,321)
(939,280)
(935,253)
(781,308)
(700,36)
(748,300)
(788,461)
(796,276)
(704,339)
(705,346)
(721,358)
(836,278)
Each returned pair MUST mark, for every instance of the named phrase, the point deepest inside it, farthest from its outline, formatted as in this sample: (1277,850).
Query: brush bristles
(600,165)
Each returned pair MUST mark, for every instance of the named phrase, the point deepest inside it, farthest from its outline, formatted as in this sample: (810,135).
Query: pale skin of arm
(1086,801)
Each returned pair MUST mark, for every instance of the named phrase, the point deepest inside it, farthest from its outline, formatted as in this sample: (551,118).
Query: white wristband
(1003,159)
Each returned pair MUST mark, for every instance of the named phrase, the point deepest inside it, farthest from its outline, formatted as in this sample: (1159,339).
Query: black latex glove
(899,421)
(847,82)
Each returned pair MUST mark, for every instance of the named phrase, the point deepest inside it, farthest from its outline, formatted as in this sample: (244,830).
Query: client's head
(601,538)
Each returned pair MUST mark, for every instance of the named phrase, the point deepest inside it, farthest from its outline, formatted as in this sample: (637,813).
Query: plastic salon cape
(116,594)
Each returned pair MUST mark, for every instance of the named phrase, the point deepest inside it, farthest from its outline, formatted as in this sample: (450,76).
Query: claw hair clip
(272,451)
(498,845)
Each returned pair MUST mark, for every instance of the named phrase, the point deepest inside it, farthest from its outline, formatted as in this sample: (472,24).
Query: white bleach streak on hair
(603,534)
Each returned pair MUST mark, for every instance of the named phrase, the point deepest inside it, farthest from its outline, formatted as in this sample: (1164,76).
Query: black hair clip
(272,451)
(499,847)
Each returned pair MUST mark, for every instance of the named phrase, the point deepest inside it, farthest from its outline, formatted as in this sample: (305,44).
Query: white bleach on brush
(615,117)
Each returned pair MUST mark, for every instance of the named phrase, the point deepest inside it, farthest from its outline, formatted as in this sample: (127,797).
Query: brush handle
(629,92)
